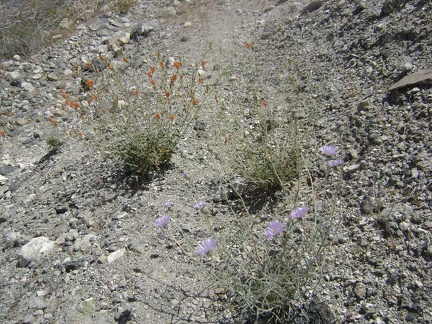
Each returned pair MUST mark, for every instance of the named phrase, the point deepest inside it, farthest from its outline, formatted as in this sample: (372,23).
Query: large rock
(35,250)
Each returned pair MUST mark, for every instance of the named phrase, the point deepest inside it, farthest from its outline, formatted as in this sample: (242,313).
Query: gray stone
(82,244)
(12,239)
(6,169)
(103,32)
(37,302)
(52,77)
(12,76)
(238,187)
(35,250)
(141,30)
(28,87)
(419,77)
(311,7)
(28,319)
(88,306)
(360,291)
(3,180)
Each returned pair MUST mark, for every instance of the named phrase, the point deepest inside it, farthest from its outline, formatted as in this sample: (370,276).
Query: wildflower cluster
(141,125)
(275,228)
(204,247)
(330,152)
(265,267)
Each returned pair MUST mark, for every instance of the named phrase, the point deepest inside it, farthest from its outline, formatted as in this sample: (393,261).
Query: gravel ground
(335,64)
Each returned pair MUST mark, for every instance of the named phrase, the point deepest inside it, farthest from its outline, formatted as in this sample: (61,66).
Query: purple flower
(206,246)
(274,228)
(184,173)
(329,150)
(200,205)
(168,204)
(162,221)
(299,212)
(334,163)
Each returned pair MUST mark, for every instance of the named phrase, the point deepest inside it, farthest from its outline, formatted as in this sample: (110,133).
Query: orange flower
(167,94)
(125,59)
(162,64)
(2,133)
(264,103)
(177,64)
(89,64)
(101,57)
(181,76)
(89,83)
(248,45)
(64,94)
(153,82)
(110,67)
(157,116)
(150,75)
(53,121)
(103,111)
(80,134)
(136,92)
(201,80)
(152,69)
(171,117)
(173,78)
(195,101)
(203,63)
(72,104)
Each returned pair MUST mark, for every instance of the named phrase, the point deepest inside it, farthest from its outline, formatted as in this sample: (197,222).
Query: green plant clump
(53,142)
(28,25)
(141,125)
(269,167)
(145,152)
(123,6)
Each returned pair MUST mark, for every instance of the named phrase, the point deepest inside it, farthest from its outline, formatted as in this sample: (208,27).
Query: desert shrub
(54,142)
(266,160)
(269,260)
(122,6)
(265,265)
(263,147)
(145,151)
(19,39)
(27,26)
(139,118)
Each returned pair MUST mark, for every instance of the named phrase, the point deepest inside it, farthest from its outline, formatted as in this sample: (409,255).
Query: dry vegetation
(27,26)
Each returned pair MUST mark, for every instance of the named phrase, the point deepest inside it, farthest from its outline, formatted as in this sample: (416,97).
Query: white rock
(82,244)
(14,75)
(29,87)
(116,255)
(34,250)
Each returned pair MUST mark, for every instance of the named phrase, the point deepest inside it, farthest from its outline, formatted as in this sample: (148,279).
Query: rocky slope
(331,62)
